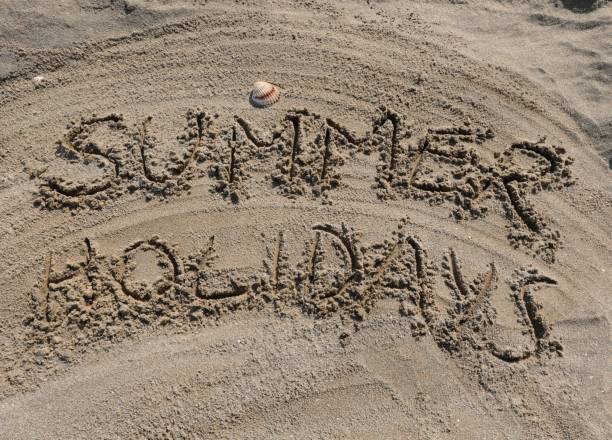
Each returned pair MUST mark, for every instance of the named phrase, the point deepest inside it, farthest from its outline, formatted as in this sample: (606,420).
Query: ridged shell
(264,94)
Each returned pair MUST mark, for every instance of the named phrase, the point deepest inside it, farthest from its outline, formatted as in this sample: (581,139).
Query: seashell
(264,94)
(38,80)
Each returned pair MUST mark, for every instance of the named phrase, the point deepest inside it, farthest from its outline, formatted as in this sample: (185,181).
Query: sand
(413,242)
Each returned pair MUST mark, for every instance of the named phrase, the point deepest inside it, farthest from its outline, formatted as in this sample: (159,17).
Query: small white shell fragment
(264,94)
(38,80)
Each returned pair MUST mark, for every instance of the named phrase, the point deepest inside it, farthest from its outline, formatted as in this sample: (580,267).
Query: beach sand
(415,241)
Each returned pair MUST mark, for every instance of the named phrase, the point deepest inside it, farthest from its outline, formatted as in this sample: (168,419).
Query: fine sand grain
(414,242)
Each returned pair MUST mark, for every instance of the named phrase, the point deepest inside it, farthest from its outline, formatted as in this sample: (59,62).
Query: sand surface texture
(414,242)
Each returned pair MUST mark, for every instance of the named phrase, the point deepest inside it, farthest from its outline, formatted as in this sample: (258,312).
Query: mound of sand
(414,242)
